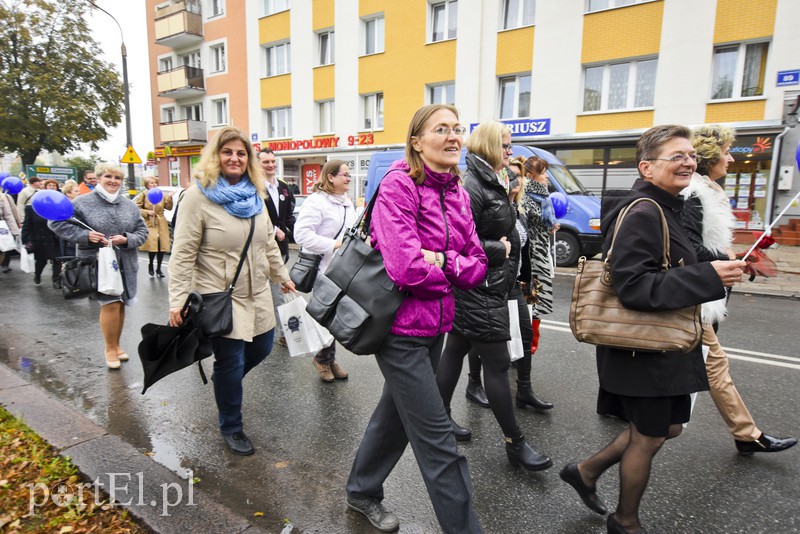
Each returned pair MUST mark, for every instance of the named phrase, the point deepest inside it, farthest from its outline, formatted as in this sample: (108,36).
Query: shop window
(220,107)
(275,6)
(278,59)
(279,122)
(218,62)
(325,115)
(515,96)
(373,111)
(174,172)
(444,93)
(739,70)
(518,13)
(618,86)
(373,35)
(443,17)
(325,48)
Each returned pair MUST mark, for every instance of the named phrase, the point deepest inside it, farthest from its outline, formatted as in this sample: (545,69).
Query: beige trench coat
(157,224)
(208,245)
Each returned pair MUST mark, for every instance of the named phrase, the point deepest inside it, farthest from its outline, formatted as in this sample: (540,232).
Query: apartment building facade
(582,78)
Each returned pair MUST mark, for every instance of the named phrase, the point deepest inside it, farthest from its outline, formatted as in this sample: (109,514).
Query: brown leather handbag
(596,315)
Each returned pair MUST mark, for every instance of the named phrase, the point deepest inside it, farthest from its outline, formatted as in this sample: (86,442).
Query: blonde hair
(413,158)
(207,171)
(486,142)
(519,163)
(68,186)
(103,167)
(147,179)
(331,167)
(708,141)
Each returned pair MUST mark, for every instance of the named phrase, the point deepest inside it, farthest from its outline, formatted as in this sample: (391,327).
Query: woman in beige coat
(158,241)
(215,221)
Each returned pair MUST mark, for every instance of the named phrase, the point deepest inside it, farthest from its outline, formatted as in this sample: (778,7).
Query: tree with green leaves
(82,164)
(55,91)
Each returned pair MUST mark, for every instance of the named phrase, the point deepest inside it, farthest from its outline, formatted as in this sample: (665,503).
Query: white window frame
(166,63)
(379,31)
(168,114)
(329,57)
(449,6)
(272,57)
(216,8)
(738,75)
(430,88)
(214,49)
(518,20)
(271,7)
(190,111)
(191,59)
(613,4)
(516,79)
(376,113)
(271,116)
(606,85)
(217,120)
(325,116)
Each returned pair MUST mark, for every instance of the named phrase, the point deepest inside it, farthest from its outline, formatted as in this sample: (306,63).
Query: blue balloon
(560,203)
(52,205)
(12,184)
(4,175)
(155,195)
(797,155)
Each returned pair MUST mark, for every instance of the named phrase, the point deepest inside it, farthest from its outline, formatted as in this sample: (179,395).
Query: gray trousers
(277,300)
(411,410)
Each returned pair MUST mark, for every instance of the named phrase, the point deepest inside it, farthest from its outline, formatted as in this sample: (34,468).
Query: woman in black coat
(43,242)
(482,321)
(649,390)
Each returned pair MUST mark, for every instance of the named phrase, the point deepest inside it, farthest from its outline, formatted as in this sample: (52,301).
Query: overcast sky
(131,16)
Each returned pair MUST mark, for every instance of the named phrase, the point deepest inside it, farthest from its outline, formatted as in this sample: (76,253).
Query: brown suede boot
(324,370)
(338,372)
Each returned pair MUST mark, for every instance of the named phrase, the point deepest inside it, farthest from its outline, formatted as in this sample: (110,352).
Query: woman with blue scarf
(227,197)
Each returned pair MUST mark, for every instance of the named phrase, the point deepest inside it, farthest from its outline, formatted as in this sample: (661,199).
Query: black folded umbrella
(165,349)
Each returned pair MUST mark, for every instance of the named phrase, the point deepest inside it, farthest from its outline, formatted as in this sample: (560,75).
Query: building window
(217,7)
(325,48)
(373,111)
(278,59)
(192,59)
(218,63)
(220,107)
(739,70)
(444,93)
(275,6)
(164,64)
(373,35)
(193,112)
(279,122)
(325,115)
(518,13)
(600,5)
(515,96)
(168,114)
(619,86)
(443,20)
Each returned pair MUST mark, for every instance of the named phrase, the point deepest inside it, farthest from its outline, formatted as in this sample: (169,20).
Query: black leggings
(152,255)
(495,364)
(39,266)
(523,365)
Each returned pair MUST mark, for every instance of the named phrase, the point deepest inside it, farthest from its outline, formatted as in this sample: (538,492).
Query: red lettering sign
(310,173)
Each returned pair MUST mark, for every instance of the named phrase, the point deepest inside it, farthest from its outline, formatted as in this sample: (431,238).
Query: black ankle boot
(461,433)
(159,273)
(526,397)
(150,270)
(476,393)
(520,453)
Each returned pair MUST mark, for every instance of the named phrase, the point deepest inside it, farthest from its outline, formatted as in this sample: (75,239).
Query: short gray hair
(653,139)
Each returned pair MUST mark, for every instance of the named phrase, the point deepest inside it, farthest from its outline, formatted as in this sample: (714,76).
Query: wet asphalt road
(306,431)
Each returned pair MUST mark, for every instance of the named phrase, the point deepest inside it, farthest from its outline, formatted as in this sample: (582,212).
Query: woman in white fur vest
(709,223)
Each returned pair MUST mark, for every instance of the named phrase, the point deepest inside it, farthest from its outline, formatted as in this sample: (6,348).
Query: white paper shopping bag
(299,329)
(109,278)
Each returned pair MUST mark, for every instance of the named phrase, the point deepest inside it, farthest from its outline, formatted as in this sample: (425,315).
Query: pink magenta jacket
(435,216)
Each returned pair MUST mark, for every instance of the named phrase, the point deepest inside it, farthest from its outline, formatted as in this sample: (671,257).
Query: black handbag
(304,271)
(355,299)
(216,315)
(78,276)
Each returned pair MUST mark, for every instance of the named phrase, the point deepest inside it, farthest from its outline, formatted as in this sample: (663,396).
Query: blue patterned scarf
(240,200)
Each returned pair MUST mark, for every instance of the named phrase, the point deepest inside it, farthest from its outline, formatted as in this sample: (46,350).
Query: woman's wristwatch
(439,259)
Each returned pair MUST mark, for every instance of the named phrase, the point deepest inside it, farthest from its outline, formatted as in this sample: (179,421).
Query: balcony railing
(179,24)
(183,131)
(181,82)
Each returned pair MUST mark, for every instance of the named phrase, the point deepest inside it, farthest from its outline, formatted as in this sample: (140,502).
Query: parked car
(579,234)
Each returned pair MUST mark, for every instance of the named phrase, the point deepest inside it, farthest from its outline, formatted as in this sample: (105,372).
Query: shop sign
(321,142)
(523,127)
(310,175)
(745,145)
(167,151)
(788,77)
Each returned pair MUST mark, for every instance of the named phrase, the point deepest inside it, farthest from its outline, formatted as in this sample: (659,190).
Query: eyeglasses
(345,175)
(680,159)
(444,130)
(506,147)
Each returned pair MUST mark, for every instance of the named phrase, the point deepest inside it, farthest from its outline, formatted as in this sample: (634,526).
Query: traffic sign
(130,156)
(54,173)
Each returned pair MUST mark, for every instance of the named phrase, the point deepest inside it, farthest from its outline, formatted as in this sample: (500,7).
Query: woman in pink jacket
(423,227)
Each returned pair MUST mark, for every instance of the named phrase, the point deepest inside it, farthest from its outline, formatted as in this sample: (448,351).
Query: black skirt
(652,416)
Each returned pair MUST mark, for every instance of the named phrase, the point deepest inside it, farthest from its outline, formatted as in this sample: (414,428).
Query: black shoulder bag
(305,269)
(216,316)
(79,276)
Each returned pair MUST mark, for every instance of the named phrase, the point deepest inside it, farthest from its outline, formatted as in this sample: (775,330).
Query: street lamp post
(131,181)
